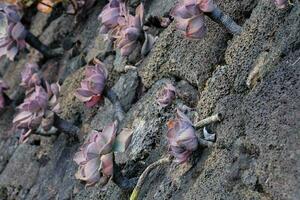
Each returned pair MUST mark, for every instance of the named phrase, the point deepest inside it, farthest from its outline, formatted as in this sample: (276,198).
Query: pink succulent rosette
(30,76)
(124,29)
(110,15)
(95,158)
(189,16)
(93,85)
(166,95)
(37,110)
(12,32)
(32,110)
(130,29)
(3,87)
(281,3)
(181,137)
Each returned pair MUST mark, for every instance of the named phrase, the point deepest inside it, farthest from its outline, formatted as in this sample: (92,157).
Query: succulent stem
(65,126)
(33,41)
(137,189)
(7,100)
(218,16)
(214,118)
(123,182)
(114,99)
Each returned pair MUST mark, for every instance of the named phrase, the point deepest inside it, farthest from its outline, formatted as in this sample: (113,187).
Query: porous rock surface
(252,79)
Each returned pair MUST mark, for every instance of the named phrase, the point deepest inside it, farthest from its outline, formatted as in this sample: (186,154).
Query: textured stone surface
(192,60)
(126,88)
(256,155)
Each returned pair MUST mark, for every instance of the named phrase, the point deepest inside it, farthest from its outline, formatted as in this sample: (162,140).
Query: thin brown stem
(65,126)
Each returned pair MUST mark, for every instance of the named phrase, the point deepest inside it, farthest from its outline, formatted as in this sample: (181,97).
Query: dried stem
(137,189)
(65,126)
(209,120)
(218,16)
(114,99)
(33,41)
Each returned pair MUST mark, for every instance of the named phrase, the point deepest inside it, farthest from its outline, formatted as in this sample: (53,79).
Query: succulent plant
(281,3)
(181,137)
(30,76)
(93,85)
(3,97)
(38,109)
(12,32)
(125,29)
(189,16)
(95,158)
(166,95)
(14,36)
(110,15)
(131,29)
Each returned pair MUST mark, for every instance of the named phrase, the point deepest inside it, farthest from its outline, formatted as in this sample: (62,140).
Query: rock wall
(252,79)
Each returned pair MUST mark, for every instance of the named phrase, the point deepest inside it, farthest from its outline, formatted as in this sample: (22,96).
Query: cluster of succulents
(41,103)
(3,97)
(124,29)
(38,109)
(12,32)
(38,112)
(95,158)
(93,85)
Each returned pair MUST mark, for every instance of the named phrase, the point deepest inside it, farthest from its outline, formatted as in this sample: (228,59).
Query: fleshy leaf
(122,140)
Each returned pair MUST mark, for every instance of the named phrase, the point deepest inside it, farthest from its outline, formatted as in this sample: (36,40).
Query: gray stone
(126,88)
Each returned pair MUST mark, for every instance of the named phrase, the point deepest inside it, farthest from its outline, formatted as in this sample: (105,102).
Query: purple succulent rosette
(110,16)
(189,17)
(3,87)
(281,3)
(124,29)
(131,29)
(95,158)
(93,85)
(12,32)
(30,76)
(37,110)
(166,95)
(181,137)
